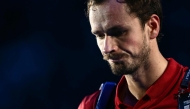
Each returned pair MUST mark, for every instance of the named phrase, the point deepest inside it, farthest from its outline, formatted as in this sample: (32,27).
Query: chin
(123,68)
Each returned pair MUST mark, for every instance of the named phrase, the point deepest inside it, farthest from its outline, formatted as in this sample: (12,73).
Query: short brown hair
(143,9)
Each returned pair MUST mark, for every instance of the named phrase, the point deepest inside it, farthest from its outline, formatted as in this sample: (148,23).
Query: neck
(143,78)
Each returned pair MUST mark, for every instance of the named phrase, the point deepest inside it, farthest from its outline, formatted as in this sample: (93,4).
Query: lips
(116,59)
(113,57)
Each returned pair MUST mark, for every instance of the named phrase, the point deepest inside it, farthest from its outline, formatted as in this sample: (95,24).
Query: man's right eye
(100,36)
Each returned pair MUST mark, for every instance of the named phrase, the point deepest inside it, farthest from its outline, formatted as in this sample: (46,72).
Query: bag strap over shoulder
(186,80)
(106,97)
(184,94)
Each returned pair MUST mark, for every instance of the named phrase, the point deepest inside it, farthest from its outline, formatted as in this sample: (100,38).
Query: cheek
(128,41)
(131,44)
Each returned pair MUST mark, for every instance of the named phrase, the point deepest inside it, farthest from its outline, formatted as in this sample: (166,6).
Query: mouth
(115,60)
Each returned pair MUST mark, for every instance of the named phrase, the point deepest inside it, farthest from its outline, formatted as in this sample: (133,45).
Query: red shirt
(160,95)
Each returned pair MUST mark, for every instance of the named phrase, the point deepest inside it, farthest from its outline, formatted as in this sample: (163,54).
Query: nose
(109,45)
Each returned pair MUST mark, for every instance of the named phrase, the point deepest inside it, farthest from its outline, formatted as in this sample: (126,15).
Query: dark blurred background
(50,60)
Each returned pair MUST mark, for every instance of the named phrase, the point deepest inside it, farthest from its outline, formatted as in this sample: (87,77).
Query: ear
(154,26)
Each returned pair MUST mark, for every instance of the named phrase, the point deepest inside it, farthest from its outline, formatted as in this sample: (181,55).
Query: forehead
(107,14)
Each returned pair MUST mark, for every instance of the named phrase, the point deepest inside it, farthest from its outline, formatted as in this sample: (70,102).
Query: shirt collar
(164,82)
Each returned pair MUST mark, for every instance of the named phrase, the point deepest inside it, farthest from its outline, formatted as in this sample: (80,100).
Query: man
(126,32)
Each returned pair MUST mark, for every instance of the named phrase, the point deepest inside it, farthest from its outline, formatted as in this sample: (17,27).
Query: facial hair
(127,66)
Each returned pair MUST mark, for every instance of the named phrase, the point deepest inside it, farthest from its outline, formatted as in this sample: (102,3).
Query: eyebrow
(111,29)
(115,29)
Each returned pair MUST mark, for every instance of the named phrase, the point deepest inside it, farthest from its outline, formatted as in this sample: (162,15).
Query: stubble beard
(130,63)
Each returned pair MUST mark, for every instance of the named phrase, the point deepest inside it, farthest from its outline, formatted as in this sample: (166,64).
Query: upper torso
(160,95)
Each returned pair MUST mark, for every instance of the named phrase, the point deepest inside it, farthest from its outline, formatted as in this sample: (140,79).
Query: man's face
(120,37)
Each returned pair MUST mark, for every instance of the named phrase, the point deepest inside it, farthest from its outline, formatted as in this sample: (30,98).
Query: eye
(118,33)
(100,36)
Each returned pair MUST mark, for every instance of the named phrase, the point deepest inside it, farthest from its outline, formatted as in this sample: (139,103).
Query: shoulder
(89,101)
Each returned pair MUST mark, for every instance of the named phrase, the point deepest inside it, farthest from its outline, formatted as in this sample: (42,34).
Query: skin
(130,50)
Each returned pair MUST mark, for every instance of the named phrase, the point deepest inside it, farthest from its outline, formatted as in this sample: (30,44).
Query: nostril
(108,51)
